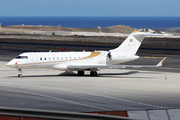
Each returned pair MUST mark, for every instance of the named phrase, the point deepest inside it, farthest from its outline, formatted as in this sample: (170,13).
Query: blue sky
(90,8)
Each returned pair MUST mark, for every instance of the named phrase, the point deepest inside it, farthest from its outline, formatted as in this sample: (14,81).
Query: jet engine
(117,58)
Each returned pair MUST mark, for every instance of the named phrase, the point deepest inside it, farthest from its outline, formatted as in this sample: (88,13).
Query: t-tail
(132,43)
(127,50)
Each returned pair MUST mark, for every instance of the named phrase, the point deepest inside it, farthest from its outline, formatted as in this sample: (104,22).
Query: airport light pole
(81,24)
(99,29)
(59,28)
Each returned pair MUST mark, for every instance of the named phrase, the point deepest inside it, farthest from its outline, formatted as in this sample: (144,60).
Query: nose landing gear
(20,76)
(20,73)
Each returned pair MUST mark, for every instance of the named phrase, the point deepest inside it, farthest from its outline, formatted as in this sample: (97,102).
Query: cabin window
(61,58)
(74,58)
(83,58)
(79,58)
(69,58)
(91,58)
(44,58)
(53,58)
(21,57)
(40,58)
(57,58)
(66,58)
(24,57)
(87,58)
(49,58)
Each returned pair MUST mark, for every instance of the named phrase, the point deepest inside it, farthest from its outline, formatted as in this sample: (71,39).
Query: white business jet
(84,61)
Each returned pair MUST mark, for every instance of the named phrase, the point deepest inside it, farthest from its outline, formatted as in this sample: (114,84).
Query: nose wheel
(20,73)
(20,76)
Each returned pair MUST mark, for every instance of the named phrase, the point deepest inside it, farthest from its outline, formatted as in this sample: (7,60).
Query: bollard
(166,76)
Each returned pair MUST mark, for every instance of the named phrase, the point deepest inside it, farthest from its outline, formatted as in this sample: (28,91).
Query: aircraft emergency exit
(84,61)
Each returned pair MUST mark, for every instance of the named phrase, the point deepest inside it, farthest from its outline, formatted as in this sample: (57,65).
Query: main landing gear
(20,73)
(92,73)
(80,73)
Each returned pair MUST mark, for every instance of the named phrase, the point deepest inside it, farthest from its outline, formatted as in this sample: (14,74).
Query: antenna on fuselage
(50,51)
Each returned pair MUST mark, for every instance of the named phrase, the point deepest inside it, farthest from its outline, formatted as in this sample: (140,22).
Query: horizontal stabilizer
(161,62)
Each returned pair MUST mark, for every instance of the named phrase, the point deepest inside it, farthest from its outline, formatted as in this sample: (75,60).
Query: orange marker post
(166,76)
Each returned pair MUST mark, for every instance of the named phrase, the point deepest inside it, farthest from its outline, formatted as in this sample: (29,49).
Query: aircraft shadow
(112,75)
(99,74)
(86,75)
(126,73)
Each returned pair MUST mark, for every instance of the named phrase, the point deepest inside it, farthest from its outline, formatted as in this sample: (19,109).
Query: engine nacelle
(116,58)
(60,67)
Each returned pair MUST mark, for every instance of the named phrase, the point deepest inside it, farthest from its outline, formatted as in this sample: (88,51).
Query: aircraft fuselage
(60,60)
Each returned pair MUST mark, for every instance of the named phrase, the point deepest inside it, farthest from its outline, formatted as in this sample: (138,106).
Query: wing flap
(85,67)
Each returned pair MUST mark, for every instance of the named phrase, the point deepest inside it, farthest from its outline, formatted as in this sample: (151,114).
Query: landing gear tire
(20,73)
(80,73)
(93,73)
(20,76)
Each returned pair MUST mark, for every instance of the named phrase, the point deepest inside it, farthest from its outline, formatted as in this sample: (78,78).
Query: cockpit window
(21,57)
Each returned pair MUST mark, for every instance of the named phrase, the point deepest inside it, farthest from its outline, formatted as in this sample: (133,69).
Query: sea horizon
(93,22)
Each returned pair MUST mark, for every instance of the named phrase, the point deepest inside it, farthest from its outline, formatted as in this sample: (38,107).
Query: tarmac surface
(111,90)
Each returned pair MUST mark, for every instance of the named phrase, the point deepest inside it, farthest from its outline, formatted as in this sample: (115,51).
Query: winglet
(161,62)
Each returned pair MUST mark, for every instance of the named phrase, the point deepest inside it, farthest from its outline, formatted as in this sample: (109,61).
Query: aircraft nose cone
(9,64)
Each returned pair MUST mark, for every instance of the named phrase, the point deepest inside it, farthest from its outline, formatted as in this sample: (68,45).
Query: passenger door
(34,61)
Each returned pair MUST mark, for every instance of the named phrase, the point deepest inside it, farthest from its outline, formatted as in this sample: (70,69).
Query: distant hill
(120,29)
(111,29)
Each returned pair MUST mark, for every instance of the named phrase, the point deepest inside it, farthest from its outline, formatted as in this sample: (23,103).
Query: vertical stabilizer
(132,43)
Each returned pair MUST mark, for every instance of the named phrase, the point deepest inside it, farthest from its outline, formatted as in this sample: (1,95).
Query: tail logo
(131,40)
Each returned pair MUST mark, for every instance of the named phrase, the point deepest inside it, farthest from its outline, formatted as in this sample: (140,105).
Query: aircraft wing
(84,67)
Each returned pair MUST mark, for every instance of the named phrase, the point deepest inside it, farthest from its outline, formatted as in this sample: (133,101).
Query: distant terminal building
(149,30)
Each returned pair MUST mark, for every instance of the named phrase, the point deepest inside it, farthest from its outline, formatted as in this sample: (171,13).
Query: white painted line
(47,96)
(94,94)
